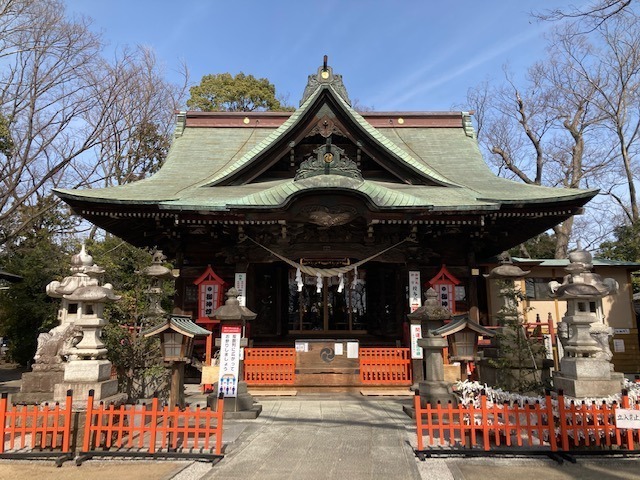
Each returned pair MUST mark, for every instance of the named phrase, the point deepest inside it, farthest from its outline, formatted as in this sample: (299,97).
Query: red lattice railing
(28,428)
(385,366)
(269,366)
(151,429)
(552,425)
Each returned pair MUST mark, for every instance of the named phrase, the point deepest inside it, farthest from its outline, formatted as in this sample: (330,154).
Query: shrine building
(331,223)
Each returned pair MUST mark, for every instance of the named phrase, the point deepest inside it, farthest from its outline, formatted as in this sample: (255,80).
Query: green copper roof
(181,324)
(201,158)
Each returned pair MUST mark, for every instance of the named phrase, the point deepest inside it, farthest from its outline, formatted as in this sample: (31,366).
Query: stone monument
(431,316)
(585,368)
(55,347)
(87,367)
(242,405)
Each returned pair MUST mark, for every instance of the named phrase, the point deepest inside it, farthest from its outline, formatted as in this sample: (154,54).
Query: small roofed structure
(181,325)
(462,336)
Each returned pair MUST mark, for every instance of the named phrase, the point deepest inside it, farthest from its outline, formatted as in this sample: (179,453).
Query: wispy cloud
(423,80)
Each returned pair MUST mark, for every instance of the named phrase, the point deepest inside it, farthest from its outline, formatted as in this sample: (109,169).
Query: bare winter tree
(575,122)
(140,118)
(68,117)
(592,15)
(537,133)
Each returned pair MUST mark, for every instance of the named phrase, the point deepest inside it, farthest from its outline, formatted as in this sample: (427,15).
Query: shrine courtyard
(318,436)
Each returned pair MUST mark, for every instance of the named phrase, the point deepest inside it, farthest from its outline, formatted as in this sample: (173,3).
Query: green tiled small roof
(181,324)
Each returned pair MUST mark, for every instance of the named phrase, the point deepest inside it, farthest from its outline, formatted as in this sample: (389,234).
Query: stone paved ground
(323,438)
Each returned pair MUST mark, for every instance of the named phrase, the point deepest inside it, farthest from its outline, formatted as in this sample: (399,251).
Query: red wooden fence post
(3,417)
(551,422)
(219,421)
(625,404)
(88,433)
(485,420)
(416,403)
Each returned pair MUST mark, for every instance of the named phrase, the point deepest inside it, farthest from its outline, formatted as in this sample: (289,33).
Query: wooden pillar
(176,394)
(474,310)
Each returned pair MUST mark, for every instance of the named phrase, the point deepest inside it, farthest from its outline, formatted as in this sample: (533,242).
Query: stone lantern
(87,367)
(432,385)
(233,318)
(584,370)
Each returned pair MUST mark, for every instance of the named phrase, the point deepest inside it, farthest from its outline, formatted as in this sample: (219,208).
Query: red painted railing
(152,429)
(385,366)
(545,425)
(269,366)
(28,428)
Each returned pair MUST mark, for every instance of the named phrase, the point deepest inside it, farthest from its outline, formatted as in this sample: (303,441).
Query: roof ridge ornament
(328,160)
(325,76)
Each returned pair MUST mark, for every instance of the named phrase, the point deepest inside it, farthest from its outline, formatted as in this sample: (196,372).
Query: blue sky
(393,55)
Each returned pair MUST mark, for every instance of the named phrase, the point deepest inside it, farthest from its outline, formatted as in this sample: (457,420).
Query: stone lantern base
(587,377)
(241,406)
(81,376)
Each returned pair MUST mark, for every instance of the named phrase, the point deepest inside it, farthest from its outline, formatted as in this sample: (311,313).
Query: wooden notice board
(327,356)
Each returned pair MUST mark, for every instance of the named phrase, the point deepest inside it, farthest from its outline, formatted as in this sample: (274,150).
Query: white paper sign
(352,349)
(416,334)
(338,349)
(627,418)
(229,360)
(241,287)
(618,345)
(415,298)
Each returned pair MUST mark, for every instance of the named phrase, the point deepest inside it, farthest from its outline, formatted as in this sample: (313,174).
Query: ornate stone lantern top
(232,310)
(580,283)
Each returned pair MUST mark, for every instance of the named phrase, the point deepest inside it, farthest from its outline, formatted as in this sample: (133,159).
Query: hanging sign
(241,287)
(229,360)
(415,299)
(416,334)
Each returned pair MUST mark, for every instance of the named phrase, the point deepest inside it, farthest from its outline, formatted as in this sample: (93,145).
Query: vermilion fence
(385,366)
(378,366)
(552,425)
(152,430)
(32,431)
(269,366)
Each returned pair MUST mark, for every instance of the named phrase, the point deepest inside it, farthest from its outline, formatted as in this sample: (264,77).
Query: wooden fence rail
(152,430)
(269,366)
(35,431)
(552,425)
(385,366)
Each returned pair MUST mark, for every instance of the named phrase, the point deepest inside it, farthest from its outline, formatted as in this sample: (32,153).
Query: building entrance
(327,304)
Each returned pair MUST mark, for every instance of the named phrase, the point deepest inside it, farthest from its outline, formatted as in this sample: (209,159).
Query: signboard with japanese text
(627,418)
(208,299)
(241,287)
(416,334)
(229,360)
(415,297)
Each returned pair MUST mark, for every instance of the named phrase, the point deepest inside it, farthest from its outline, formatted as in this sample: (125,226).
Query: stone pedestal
(241,406)
(37,386)
(434,388)
(81,376)
(587,377)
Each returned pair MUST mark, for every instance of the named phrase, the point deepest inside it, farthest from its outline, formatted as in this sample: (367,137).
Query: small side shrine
(444,283)
(210,297)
